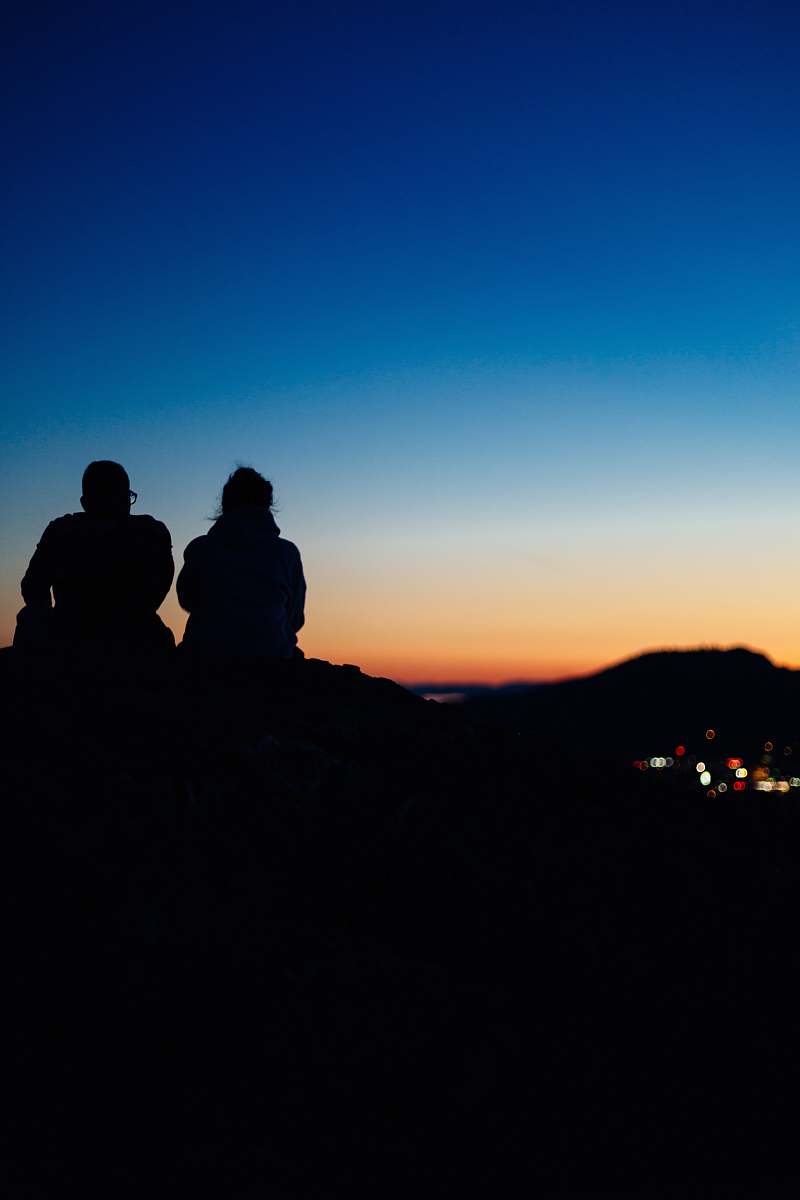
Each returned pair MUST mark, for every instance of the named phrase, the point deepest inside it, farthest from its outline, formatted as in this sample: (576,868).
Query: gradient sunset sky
(504,299)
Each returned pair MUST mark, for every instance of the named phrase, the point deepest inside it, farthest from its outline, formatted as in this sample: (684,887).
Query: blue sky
(518,282)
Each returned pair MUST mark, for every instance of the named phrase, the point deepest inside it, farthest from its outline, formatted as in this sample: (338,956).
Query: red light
(739,786)
(734,763)
(680,751)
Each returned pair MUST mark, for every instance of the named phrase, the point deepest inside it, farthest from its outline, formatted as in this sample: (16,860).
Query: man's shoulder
(63,526)
(148,526)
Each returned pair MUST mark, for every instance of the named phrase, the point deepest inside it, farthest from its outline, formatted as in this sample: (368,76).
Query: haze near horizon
(505,306)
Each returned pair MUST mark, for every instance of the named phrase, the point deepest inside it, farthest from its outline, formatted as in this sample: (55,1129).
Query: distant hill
(671,694)
(470,691)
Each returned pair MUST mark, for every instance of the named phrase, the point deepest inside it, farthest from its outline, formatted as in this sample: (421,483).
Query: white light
(701,766)
(722,787)
(741,773)
(705,778)
(794,781)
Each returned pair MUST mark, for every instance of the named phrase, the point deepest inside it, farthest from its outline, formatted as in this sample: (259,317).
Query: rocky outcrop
(307,934)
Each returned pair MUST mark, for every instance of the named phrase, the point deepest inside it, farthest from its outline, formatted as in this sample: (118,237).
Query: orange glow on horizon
(394,638)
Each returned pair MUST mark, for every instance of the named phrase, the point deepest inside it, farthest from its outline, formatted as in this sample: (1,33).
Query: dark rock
(303,930)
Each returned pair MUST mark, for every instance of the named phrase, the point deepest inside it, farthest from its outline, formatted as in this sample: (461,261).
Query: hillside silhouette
(674,695)
(313,934)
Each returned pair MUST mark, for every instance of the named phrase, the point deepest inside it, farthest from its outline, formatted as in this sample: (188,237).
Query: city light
(730,770)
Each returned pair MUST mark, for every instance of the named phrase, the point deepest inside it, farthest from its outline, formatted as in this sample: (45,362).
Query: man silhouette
(108,571)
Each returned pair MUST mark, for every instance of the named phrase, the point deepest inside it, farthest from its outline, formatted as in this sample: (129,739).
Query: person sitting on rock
(241,583)
(108,572)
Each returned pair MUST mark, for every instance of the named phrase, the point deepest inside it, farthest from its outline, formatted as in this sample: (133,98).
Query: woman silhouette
(241,583)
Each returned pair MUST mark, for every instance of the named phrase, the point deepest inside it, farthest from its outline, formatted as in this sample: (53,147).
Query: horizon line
(452,684)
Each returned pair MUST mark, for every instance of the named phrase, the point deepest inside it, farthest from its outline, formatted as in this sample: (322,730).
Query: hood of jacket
(244,526)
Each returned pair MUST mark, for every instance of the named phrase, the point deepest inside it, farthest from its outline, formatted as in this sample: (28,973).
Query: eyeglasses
(133,497)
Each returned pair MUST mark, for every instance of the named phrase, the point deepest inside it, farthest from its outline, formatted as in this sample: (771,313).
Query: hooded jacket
(243,587)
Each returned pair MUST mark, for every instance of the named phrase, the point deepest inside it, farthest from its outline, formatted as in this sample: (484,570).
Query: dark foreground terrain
(311,935)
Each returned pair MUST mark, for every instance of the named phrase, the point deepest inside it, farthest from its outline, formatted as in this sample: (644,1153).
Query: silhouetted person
(241,583)
(108,571)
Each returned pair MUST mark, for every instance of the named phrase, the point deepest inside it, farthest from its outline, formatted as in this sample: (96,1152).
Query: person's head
(106,490)
(245,488)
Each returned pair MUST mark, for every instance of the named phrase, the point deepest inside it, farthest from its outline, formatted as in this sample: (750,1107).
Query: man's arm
(163,565)
(38,578)
(153,568)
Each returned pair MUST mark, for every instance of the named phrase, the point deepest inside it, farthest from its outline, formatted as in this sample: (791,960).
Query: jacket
(107,575)
(243,587)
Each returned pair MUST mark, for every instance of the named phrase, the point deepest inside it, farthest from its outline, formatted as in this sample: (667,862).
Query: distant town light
(701,766)
(711,793)
(768,746)
(710,735)
(668,762)
(680,751)
(794,781)
(733,763)
(739,786)
(705,778)
(722,788)
(741,773)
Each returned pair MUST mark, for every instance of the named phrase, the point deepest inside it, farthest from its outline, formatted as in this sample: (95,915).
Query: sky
(504,299)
